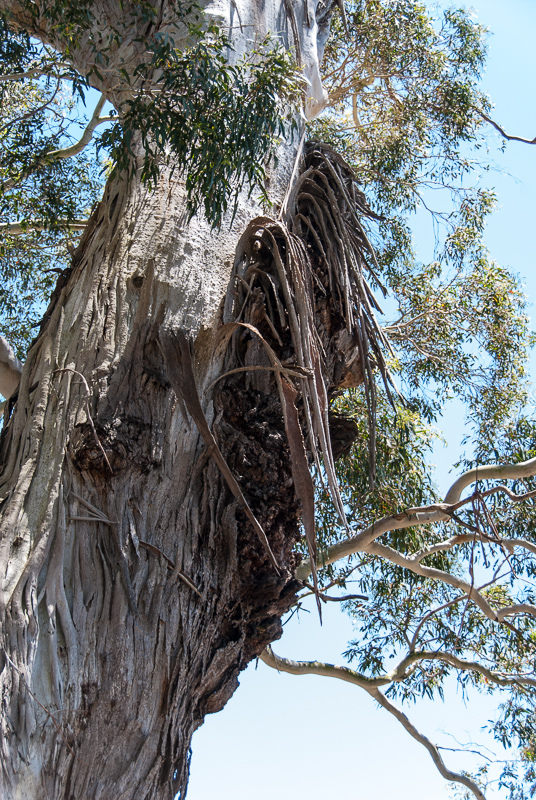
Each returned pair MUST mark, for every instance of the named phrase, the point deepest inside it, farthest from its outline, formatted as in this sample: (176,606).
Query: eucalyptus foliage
(407,113)
(221,122)
(35,121)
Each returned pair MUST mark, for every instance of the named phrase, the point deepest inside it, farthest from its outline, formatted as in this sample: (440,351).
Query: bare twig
(503,133)
(157,552)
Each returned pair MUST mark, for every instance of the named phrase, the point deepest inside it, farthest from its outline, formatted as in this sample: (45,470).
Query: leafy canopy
(407,113)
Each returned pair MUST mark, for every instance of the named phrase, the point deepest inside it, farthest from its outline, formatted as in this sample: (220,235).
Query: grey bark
(133,590)
(10,369)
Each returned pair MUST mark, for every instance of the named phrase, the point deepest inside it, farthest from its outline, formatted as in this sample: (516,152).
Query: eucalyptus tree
(156,454)
(133,587)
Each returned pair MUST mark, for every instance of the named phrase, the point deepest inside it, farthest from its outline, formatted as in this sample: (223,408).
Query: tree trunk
(134,588)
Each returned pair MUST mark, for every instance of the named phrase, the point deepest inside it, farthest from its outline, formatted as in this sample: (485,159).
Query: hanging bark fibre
(305,312)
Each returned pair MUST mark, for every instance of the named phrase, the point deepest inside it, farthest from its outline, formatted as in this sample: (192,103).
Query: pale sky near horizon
(282,736)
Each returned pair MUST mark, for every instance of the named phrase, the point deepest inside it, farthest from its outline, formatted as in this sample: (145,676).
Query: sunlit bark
(133,590)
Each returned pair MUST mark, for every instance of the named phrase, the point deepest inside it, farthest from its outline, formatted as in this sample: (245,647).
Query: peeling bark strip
(178,359)
(299,288)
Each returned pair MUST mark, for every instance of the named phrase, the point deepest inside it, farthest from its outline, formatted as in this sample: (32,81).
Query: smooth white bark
(10,369)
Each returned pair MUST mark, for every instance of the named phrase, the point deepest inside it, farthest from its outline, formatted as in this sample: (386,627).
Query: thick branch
(361,542)
(19,228)
(438,512)
(490,472)
(10,369)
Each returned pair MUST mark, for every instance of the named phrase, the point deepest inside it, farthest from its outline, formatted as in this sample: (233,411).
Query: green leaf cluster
(38,113)
(406,112)
(404,96)
(220,122)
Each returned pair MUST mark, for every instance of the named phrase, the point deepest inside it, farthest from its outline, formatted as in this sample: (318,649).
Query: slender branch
(369,685)
(18,76)
(464,538)
(431,614)
(72,150)
(404,720)
(28,114)
(36,72)
(503,133)
(77,147)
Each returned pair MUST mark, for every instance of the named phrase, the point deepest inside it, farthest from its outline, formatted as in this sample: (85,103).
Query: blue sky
(282,736)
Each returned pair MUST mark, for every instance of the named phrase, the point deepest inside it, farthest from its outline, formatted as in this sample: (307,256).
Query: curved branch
(72,150)
(435,574)
(320,668)
(361,541)
(489,472)
(77,147)
(399,672)
(503,133)
(369,685)
(436,512)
